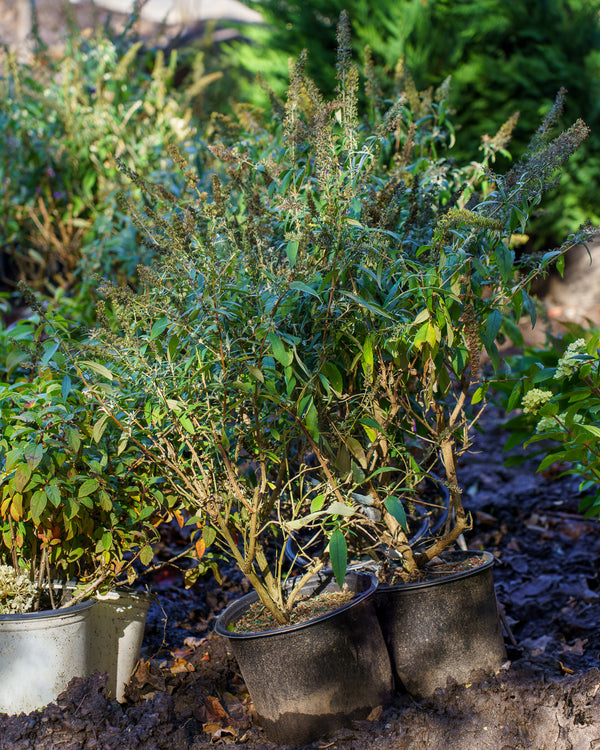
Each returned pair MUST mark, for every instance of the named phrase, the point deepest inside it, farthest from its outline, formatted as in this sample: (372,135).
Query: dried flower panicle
(17,591)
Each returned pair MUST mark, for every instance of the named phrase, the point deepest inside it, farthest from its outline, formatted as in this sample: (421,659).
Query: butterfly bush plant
(306,348)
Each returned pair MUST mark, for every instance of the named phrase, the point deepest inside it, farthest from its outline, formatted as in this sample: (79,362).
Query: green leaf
(477,397)
(530,307)
(514,397)
(99,428)
(300,286)
(89,486)
(491,328)
(208,535)
(97,368)
(50,350)
(432,335)
(367,357)
(334,377)
(353,222)
(591,429)
(317,503)
(291,250)
(53,494)
(107,540)
(421,335)
(367,305)
(550,459)
(172,347)
(505,260)
(105,501)
(338,554)
(66,387)
(357,451)
(73,438)
(187,425)
(394,507)
(543,375)
(22,476)
(33,454)
(39,501)
(421,317)
(122,444)
(158,328)
(280,353)
(256,372)
(146,555)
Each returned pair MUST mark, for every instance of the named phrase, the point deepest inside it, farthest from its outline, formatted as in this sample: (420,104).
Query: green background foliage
(503,57)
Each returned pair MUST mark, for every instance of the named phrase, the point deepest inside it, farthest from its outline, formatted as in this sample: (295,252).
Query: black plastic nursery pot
(443,629)
(309,679)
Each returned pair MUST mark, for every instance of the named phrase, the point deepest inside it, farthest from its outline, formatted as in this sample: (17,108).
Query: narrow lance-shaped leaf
(394,507)
(280,353)
(338,554)
(98,368)
(99,428)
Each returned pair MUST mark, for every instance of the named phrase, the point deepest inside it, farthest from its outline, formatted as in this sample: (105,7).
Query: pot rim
(118,592)
(49,613)
(233,610)
(451,577)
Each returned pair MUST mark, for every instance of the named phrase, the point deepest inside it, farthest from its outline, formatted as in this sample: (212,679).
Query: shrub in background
(503,58)
(64,122)
(557,392)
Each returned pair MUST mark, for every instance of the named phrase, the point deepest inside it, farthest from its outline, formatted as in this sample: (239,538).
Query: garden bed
(188,694)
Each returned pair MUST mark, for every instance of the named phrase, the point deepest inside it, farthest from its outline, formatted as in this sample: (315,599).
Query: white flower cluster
(535,399)
(548,424)
(570,361)
(16,591)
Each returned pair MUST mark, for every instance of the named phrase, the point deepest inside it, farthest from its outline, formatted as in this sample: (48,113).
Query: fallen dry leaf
(193,642)
(576,647)
(146,674)
(181,666)
(217,732)
(375,714)
(238,715)
(485,519)
(566,670)
(216,710)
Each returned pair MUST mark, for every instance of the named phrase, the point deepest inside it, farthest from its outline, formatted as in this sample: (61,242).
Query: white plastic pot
(117,630)
(40,653)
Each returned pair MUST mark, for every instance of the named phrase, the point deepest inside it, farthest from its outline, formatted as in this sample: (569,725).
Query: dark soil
(187,692)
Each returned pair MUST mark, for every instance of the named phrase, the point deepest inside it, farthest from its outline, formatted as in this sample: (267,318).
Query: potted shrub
(305,349)
(77,515)
(446,283)
(557,392)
